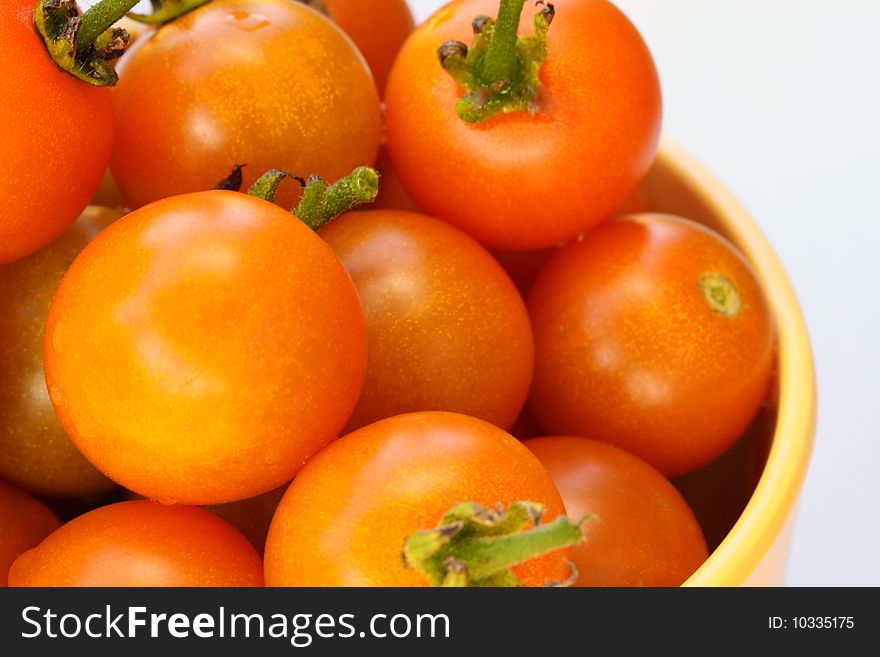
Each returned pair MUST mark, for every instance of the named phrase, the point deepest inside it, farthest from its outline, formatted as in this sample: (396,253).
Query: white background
(781,100)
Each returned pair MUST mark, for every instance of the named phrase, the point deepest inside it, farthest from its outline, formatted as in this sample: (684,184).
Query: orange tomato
(35,452)
(652,334)
(24,522)
(645,533)
(378,28)
(141,544)
(55,139)
(203,347)
(448,330)
(345,518)
(267,83)
(526,180)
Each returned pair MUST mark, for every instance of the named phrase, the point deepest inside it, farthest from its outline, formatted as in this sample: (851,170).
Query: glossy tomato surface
(24,522)
(523,180)
(35,451)
(271,84)
(448,329)
(143,544)
(652,333)
(55,138)
(378,28)
(203,347)
(345,518)
(644,534)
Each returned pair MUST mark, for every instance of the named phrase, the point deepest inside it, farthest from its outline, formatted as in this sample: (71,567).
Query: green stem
(501,61)
(475,546)
(165,11)
(322,203)
(500,72)
(99,19)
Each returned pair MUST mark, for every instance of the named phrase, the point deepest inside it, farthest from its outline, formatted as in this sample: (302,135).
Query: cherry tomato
(24,522)
(202,347)
(645,533)
(55,138)
(378,28)
(345,518)
(525,180)
(652,334)
(448,330)
(141,544)
(35,452)
(267,83)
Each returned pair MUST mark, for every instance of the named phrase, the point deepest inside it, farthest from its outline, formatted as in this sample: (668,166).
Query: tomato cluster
(174,365)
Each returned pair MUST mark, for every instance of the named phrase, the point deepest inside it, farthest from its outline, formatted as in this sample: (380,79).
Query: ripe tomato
(378,28)
(645,534)
(24,522)
(55,138)
(527,180)
(35,452)
(267,83)
(202,347)
(345,518)
(448,330)
(141,544)
(652,334)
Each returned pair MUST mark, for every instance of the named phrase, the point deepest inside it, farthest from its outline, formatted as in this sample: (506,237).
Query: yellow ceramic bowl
(754,550)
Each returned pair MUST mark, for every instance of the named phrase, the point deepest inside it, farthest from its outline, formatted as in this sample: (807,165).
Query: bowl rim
(774,500)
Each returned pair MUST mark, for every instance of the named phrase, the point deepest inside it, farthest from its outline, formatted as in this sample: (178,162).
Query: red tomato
(267,83)
(24,522)
(652,334)
(526,180)
(203,347)
(448,330)
(55,138)
(378,28)
(141,544)
(345,518)
(645,533)
(35,452)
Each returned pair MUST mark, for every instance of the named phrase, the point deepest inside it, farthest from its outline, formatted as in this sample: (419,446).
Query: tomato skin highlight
(56,134)
(203,347)
(448,329)
(24,522)
(523,181)
(141,544)
(344,519)
(629,350)
(266,83)
(645,533)
(35,452)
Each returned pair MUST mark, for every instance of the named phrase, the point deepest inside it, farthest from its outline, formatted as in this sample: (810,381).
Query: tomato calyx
(500,72)
(721,294)
(476,546)
(165,11)
(321,203)
(84,44)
